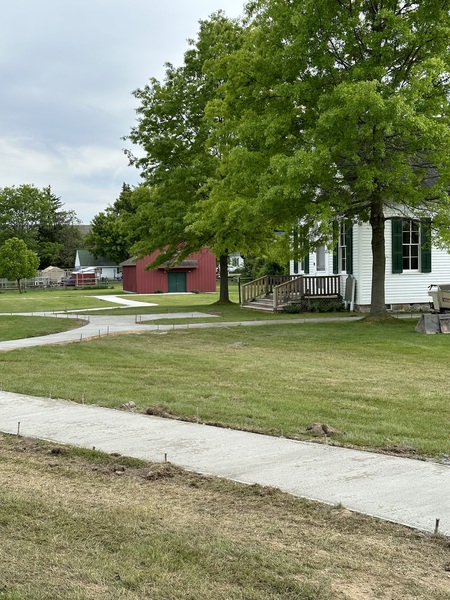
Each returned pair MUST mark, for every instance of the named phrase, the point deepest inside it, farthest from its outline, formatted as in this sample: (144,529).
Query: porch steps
(281,290)
(261,304)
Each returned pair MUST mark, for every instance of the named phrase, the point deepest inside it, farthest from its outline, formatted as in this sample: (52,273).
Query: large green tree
(17,262)
(112,233)
(339,109)
(178,159)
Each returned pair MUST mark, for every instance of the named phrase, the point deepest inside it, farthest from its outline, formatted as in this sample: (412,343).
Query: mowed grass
(84,526)
(60,299)
(381,385)
(54,299)
(84,300)
(16,327)
(203,303)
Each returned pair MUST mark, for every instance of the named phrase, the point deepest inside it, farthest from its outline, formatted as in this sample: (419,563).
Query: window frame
(343,248)
(423,246)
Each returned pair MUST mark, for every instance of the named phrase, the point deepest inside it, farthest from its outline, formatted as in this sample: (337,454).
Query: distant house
(235,262)
(103,267)
(197,272)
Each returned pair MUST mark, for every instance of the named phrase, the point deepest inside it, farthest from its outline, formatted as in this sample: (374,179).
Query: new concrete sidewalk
(406,491)
(402,490)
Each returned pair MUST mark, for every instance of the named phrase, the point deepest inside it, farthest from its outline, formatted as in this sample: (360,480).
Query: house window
(343,249)
(234,261)
(411,245)
(320,259)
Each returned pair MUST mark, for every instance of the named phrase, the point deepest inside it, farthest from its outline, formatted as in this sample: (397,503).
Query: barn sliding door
(177,281)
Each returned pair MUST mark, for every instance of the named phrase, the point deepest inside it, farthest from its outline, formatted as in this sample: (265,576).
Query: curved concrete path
(411,492)
(104,325)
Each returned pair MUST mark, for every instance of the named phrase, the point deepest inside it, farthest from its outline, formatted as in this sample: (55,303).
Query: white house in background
(412,263)
(104,268)
(235,262)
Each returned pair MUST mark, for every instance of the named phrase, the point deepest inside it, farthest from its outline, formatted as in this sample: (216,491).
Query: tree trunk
(19,286)
(377,221)
(224,296)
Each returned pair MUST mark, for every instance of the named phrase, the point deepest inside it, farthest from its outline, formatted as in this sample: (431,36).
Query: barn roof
(184,264)
(130,262)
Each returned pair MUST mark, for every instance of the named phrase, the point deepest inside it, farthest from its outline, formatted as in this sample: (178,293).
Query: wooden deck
(273,293)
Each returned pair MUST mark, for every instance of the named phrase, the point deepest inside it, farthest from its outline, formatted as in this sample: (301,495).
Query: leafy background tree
(112,233)
(23,210)
(17,262)
(59,237)
(255,267)
(178,160)
(37,217)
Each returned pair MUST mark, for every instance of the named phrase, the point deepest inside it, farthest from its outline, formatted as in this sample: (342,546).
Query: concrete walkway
(411,492)
(124,301)
(103,325)
(406,491)
(97,326)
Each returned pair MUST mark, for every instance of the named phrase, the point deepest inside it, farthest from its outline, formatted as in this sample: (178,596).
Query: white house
(412,262)
(104,268)
(235,262)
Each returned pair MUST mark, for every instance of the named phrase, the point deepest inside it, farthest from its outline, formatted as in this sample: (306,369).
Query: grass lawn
(84,300)
(77,525)
(380,385)
(16,328)
(54,299)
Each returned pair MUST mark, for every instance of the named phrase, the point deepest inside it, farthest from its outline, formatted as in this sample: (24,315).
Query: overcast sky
(67,72)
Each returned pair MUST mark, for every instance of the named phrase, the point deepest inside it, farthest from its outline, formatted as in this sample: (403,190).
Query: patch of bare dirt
(322,429)
(160,410)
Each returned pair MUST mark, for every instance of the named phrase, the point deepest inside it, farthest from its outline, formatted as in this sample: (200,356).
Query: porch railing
(291,288)
(262,287)
(288,292)
(322,286)
(306,286)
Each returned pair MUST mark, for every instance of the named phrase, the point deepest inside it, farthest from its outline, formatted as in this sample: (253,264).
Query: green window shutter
(335,260)
(306,265)
(397,245)
(295,242)
(425,246)
(336,248)
(349,244)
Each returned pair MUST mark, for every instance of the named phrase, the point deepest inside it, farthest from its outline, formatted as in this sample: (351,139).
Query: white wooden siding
(401,288)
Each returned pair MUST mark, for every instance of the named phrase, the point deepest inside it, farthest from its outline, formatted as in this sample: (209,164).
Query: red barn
(196,272)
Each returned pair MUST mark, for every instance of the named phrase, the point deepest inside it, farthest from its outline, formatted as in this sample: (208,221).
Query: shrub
(316,305)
